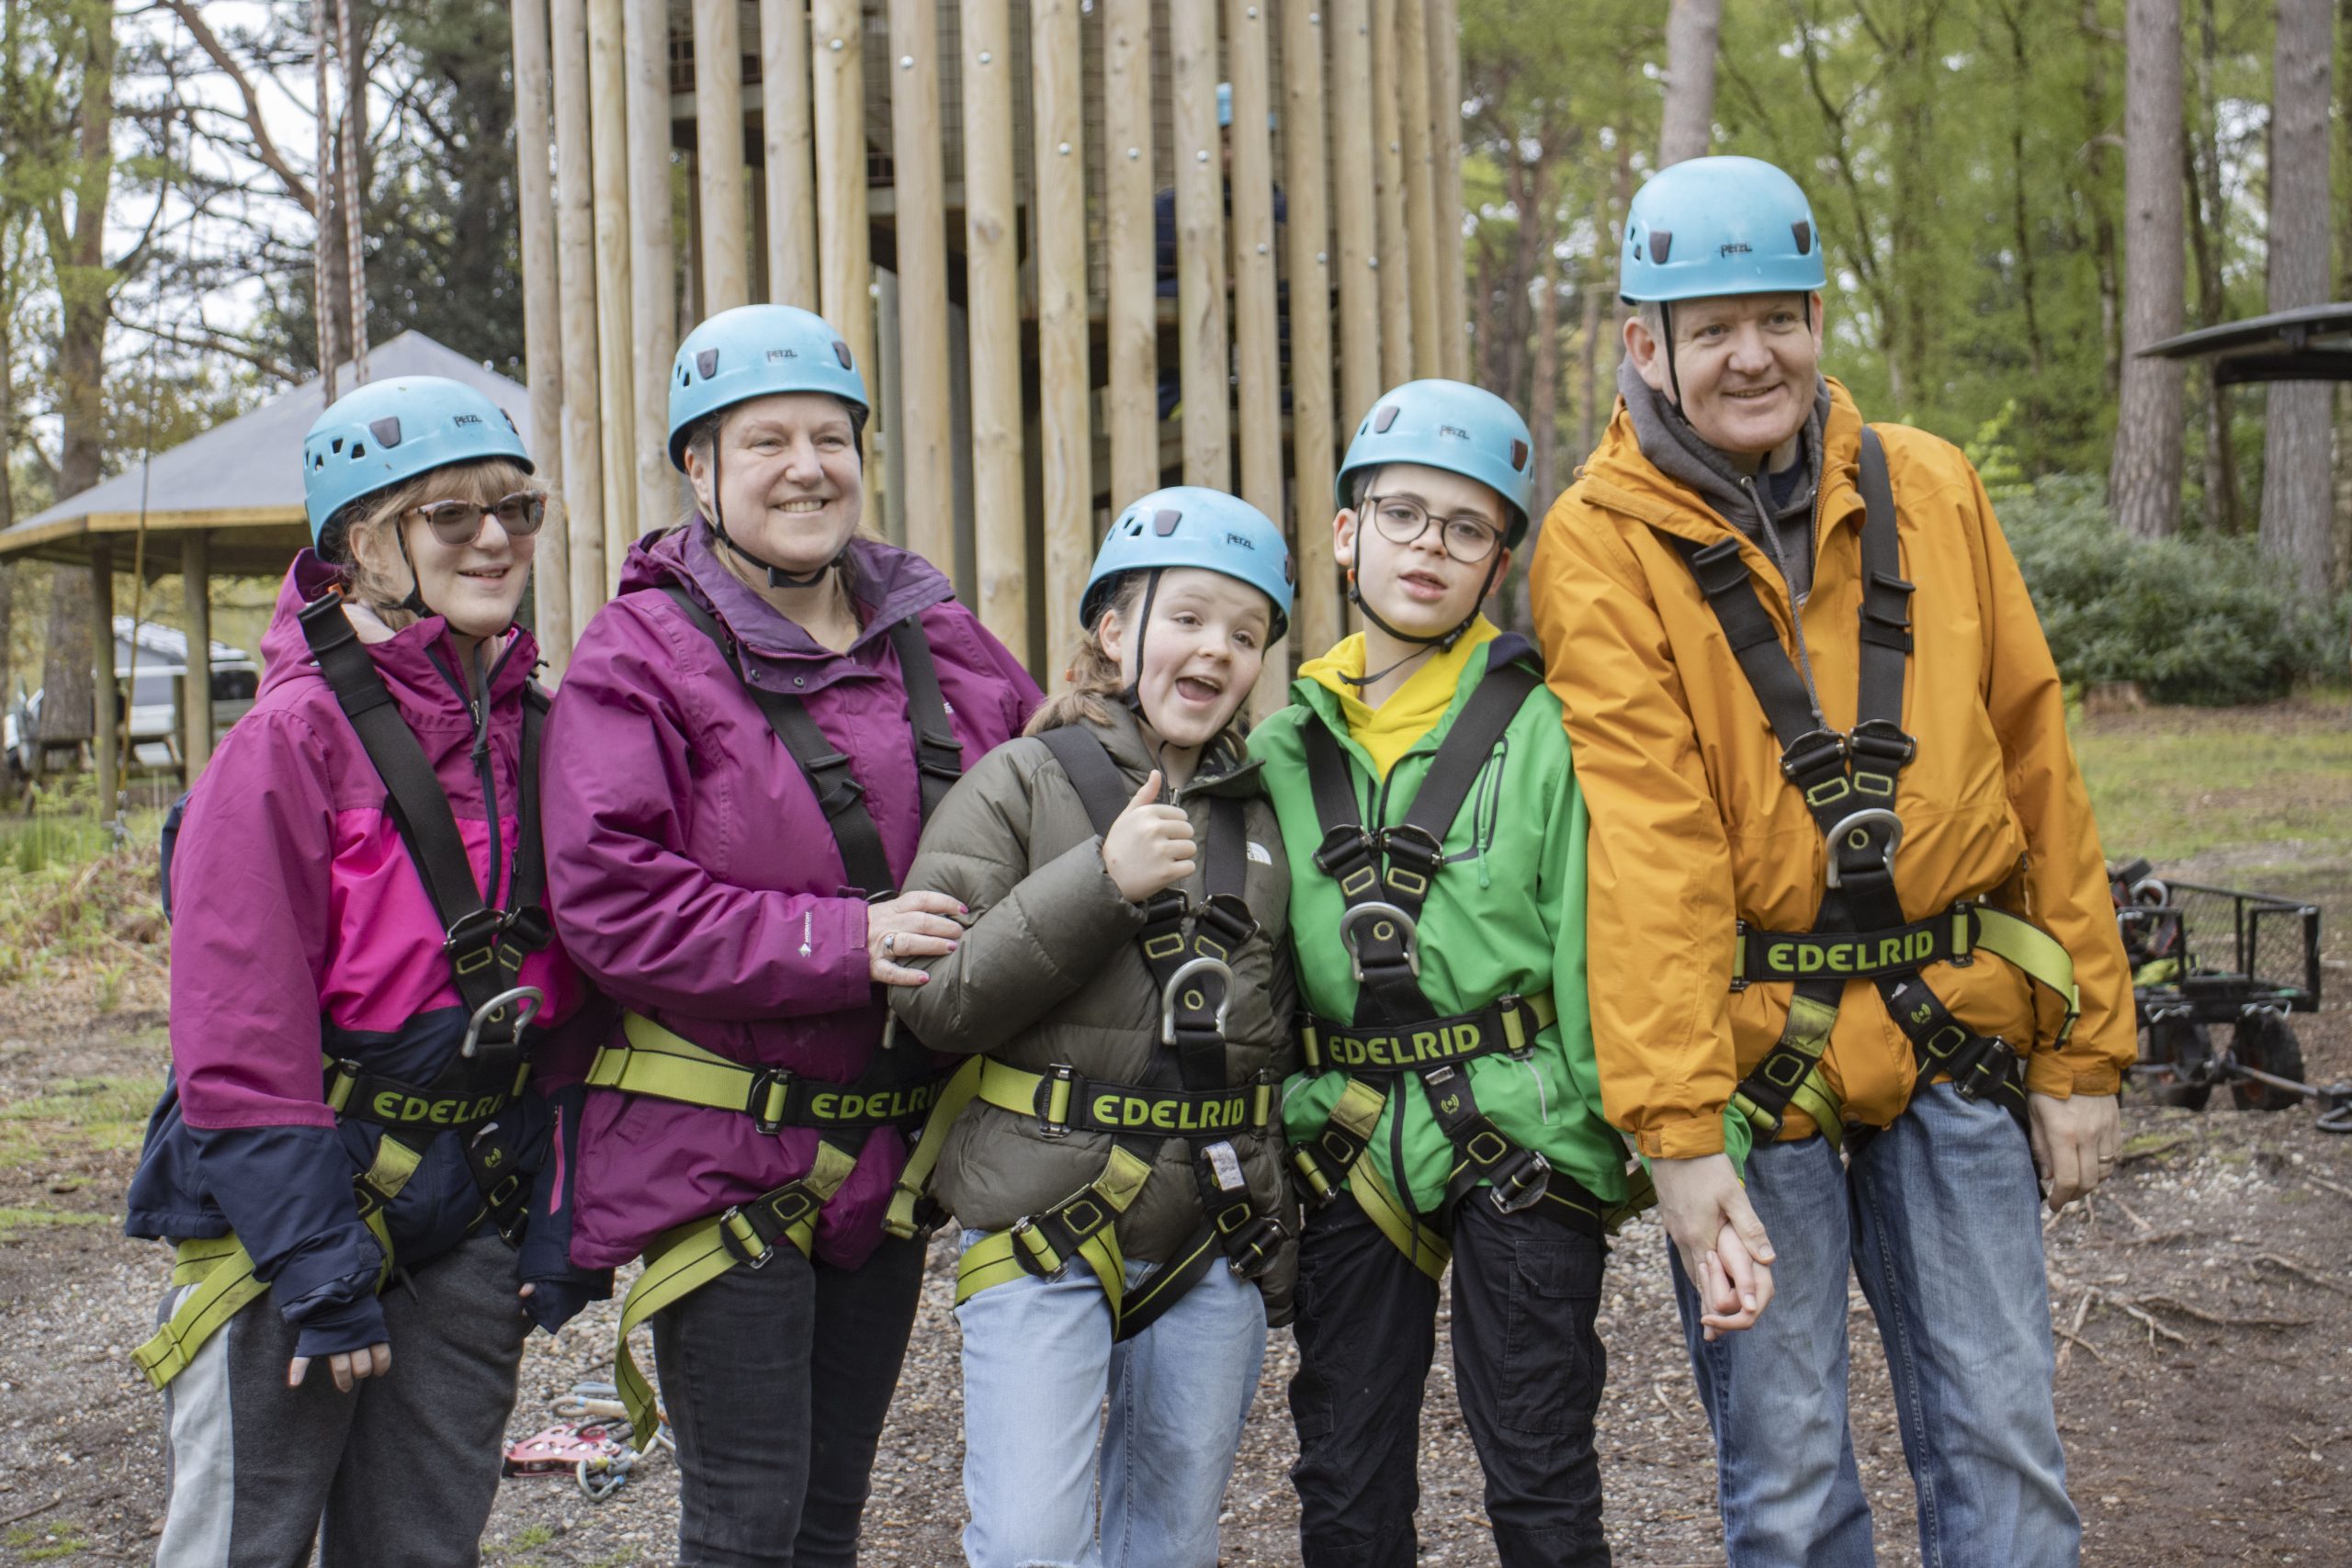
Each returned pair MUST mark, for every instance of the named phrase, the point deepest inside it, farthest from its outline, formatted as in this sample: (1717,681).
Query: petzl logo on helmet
(1735,248)
(1453,431)
(774,355)
(465,419)
(1242,541)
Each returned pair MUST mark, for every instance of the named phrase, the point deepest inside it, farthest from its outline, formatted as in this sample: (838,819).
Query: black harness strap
(1848,785)
(486,946)
(938,754)
(1188,947)
(1385,875)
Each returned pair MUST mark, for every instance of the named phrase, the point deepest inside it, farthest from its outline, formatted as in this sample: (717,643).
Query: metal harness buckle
(1185,972)
(528,999)
(1854,831)
(756,1102)
(1406,934)
(1049,1129)
(1523,1185)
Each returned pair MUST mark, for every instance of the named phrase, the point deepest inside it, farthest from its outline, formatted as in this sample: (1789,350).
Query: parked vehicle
(150,664)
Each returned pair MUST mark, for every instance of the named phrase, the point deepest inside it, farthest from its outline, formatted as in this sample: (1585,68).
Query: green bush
(2202,618)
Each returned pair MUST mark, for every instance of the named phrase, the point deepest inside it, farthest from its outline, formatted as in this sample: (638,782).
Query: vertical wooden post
(1057,91)
(1307,233)
(1421,222)
(1257,343)
(1445,156)
(1395,256)
(616,380)
(196,604)
(1357,213)
(791,178)
(992,269)
(652,265)
(718,151)
(921,226)
(105,714)
(1130,240)
(542,350)
(846,264)
(575,211)
(1200,246)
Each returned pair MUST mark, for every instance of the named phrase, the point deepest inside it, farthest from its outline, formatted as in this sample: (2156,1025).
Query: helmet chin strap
(415,603)
(1133,695)
(777,576)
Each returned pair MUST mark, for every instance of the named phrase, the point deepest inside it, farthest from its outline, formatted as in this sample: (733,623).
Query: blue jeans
(1940,1216)
(1039,1362)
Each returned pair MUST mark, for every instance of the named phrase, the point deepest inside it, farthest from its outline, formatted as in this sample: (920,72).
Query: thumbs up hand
(1150,848)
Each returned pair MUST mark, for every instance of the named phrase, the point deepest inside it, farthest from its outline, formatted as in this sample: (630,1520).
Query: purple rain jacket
(695,878)
(300,929)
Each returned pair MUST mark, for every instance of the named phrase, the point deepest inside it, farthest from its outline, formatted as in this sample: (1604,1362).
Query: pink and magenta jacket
(301,927)
(695,878)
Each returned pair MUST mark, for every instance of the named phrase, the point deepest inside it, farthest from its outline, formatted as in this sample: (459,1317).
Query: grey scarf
(1743,498)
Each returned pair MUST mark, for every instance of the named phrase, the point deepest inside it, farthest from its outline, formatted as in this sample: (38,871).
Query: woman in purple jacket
(342,1332)
(745,747)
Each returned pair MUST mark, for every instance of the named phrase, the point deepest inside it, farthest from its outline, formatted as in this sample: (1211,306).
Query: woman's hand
(348,1366)
(1149,849)
(912,925)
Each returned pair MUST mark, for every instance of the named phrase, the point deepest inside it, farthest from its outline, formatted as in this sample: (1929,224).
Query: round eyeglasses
(1401,520)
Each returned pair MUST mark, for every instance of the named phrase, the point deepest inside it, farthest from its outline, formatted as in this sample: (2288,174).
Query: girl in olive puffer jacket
(1114,1153)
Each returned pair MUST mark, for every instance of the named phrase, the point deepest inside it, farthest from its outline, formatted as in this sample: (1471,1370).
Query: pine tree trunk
(2297,485)
(1689,124)
(2206,212)
(2144,482)
(2095,140)
(1588,370)
(83,306)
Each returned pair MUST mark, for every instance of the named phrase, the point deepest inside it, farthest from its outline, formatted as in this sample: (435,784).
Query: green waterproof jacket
(1505,914)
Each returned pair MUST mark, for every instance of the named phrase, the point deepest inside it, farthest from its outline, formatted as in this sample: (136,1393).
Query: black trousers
(1528,1365)
(776,1381)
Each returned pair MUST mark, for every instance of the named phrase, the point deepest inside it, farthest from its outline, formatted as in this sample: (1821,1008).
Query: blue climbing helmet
(1192,525)
(1454,426)
(386,431)
(1708,227)
(751,352)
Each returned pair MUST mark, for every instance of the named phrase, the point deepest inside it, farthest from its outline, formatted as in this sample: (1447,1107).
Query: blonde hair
(362,540)
(1096,685)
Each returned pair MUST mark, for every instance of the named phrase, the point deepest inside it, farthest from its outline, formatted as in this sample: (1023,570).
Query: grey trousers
(400,1472)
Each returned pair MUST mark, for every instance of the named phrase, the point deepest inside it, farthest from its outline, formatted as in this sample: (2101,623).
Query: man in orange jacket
(1845,888)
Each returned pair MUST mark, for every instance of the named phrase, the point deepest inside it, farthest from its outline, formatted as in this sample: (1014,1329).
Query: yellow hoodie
(1388,731)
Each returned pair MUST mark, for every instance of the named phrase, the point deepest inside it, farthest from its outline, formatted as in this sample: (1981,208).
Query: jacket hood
(1225,768)
(888,584)
(417,663)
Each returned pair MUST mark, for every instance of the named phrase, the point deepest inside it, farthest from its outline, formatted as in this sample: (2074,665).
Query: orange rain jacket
(1693,824)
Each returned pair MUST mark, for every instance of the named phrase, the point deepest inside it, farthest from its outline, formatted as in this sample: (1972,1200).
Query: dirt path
(2202,1401)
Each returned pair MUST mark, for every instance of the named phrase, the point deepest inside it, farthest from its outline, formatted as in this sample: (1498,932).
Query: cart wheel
(2267,1042)
(2186,1047)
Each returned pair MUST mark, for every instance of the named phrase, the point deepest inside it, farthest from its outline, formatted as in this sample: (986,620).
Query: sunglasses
(458,523)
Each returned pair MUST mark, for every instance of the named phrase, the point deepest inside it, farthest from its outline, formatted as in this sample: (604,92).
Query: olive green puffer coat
(1048,973)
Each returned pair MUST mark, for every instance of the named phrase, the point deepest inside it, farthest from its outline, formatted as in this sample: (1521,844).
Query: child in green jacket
(1450,1107)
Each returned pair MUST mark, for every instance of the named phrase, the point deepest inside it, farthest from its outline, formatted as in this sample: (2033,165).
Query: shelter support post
(1065,433)
(1000,537)
(1307,236)
(105,716)
(196,704)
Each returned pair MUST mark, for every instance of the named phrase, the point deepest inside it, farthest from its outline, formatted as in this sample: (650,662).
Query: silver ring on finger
(889,942)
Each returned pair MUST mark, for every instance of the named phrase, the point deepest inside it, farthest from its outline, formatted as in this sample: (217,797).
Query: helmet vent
(841,352)
(357,451)
(387,432)
(707,363)
(1661,246)
(1517,455)
(1803,231)
(335,445)
(1164,521)
(1381,418)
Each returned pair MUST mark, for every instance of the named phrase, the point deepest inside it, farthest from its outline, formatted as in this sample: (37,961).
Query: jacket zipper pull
(808,932)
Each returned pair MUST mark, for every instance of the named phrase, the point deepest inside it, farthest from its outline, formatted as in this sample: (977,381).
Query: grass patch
(13,1221)
(2174,783)
(35,1544)
(78,1116)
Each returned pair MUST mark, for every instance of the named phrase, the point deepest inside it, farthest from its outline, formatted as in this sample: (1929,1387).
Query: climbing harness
(899,1089)
(1188,947)
(1385,875)
(485,946)
(1849,784)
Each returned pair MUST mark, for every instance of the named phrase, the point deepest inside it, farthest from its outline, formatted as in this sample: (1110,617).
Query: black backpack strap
(527,892)
(864,864)
(939,756)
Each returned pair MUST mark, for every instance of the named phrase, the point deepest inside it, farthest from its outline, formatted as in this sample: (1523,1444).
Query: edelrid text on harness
(900,1088)
(1189,948)
(486,947)
(1385,875)
(1849,784)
